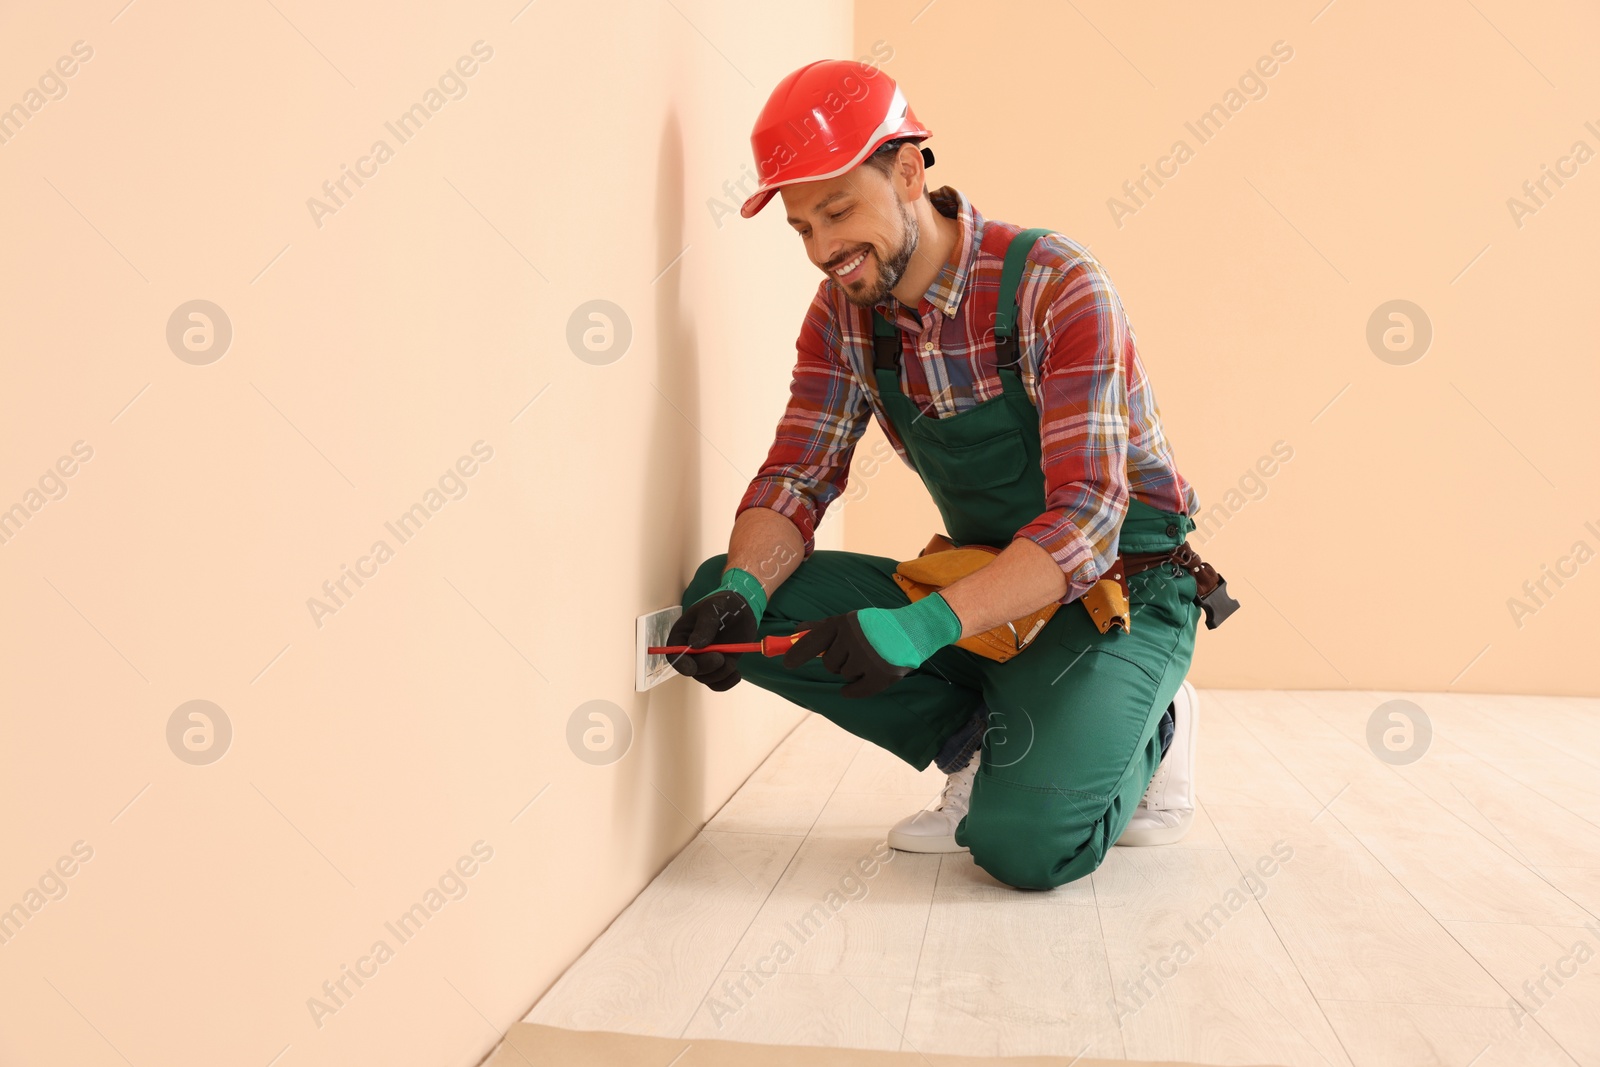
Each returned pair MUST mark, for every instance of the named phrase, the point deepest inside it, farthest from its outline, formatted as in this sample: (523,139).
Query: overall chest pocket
(990,460)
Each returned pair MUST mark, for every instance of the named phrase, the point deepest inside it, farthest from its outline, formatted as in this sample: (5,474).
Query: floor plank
(1197,967)
(847,904)
(1009,974)
(1438,1035)
(1551,976)
(1409,821)
(831,1010)
(1541,802)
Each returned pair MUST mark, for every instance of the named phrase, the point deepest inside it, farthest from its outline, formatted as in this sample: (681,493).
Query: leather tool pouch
(1107,600)
(940,564)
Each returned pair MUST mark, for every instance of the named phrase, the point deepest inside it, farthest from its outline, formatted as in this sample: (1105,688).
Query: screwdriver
(775,645)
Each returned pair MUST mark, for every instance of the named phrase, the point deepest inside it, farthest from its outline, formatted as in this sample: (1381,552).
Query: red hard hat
(824,119)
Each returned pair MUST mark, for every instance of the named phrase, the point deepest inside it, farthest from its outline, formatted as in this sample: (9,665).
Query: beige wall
(369,354)
(1375,164)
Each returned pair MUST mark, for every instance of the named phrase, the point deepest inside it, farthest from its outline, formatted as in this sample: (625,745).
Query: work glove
(873,648)
(728,614)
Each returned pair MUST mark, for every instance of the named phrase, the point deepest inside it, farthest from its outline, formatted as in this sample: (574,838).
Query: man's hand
(847,652)
(723,617)
(875,647)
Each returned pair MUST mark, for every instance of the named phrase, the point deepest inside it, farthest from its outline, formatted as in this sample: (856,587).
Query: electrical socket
(650,671)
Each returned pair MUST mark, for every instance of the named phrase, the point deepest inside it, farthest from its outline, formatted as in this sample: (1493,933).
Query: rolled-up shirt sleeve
(1083,427)
(808,465)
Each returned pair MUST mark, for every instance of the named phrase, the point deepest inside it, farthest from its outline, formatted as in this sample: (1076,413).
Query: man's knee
(1033,840)
(706,578)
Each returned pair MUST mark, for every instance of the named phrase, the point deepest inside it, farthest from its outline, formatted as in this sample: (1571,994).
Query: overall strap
(1008,351)
(885,343)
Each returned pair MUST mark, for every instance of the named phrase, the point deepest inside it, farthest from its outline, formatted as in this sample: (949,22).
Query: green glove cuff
(748,586)
(907,636)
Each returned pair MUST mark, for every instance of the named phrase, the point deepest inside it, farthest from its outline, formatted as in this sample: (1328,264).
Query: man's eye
(839,216)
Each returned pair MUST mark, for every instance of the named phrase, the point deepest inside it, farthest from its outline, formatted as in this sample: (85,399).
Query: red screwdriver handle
(775,645)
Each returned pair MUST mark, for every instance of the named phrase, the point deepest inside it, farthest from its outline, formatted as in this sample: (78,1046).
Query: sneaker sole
(909,843)
(1157,835)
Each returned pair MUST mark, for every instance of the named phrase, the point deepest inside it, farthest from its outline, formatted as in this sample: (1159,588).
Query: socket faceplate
(650,671)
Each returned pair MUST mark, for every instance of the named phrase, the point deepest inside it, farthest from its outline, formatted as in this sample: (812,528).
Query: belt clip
(1218,605)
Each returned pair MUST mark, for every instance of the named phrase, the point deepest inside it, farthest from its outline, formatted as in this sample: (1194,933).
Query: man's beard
(890,271)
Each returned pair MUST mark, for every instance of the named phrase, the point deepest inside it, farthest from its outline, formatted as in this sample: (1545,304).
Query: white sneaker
(1167,810)
(934,829)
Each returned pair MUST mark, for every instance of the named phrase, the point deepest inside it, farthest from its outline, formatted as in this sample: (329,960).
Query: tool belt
(1107,600)
(941,563)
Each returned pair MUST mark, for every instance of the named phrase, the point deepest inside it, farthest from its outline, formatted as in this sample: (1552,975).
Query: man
(1048,446)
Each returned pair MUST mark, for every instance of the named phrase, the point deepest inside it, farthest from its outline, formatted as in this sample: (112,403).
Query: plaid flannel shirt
(1100,430)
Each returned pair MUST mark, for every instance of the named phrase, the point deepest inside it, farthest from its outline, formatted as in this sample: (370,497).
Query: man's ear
(911,169)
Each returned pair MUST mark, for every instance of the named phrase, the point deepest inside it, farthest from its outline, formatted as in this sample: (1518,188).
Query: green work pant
(1071,740)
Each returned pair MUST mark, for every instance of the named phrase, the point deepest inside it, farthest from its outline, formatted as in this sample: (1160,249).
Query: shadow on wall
(673,454)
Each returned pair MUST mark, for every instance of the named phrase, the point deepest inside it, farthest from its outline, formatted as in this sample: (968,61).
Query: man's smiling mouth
(850,265)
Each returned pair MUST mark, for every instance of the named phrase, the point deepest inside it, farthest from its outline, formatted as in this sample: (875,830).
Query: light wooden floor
(1416,903)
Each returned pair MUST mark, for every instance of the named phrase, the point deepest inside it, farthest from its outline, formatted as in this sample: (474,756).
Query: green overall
(1071,739)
